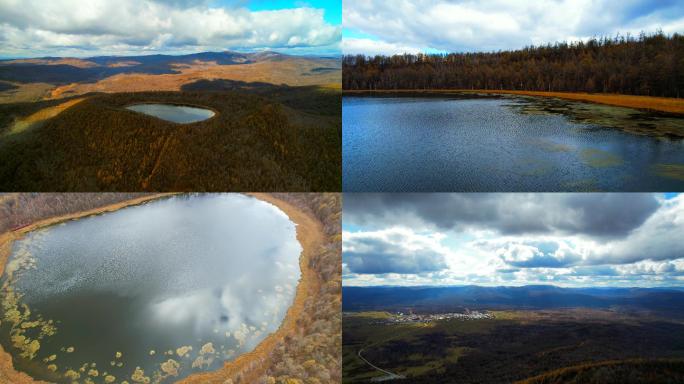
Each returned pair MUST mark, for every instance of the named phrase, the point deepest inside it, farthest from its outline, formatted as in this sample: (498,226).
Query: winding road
(388,375)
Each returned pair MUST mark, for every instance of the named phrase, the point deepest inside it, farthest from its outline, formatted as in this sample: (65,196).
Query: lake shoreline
(505,143)
(7,371)
(251,365)
(309,235)
(650,103)
(190,105)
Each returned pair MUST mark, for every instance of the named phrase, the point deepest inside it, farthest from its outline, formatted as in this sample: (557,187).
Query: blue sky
(571,240)
(36,28)
(333,9)
(398,26)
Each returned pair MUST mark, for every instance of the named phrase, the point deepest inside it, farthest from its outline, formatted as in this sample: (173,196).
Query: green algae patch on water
(671,171)
(551,146)
(27,328)
(600,159)
(634,121)
(533,167)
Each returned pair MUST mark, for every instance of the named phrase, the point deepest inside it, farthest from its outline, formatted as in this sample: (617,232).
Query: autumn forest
(648,65)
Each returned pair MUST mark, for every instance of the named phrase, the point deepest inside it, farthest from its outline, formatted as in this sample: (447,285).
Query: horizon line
(512,286)
(321,54)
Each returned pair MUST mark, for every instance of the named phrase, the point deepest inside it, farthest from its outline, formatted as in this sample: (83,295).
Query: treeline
(21,209)
(650,65)
(313,354)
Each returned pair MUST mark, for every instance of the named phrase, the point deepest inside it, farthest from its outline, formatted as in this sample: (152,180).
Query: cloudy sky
(574,239)
(398,26)
(35,28)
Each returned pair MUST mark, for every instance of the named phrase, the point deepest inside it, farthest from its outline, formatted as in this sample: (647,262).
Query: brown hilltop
(293,71)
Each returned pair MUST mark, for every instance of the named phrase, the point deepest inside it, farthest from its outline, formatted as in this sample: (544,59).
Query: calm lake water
(175,113)
(147,281)
(490,144)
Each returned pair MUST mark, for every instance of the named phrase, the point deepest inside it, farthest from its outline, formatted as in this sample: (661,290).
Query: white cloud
(647,252)
(394,250)
(370,47)
(104,26)
(470,25)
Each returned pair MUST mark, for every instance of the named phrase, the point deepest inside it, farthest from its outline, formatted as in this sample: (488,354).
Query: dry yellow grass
(661,104)
(42,115)
(291,72)
(120,64)
(25,92)
(336,86)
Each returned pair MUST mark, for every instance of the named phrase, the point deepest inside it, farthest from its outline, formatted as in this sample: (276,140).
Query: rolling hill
(65,126)
(71,76)
(525,297)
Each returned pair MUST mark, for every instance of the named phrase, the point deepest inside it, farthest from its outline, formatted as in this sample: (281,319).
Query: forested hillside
(276,139)
(650,65)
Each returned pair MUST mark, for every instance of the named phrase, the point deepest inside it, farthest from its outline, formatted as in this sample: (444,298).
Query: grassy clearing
(372,315)
(28,92)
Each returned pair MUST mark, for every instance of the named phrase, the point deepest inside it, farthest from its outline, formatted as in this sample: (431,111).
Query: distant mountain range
(525,297)
(64,70)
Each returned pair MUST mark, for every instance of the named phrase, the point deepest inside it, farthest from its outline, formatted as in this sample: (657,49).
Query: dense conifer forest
(649,65)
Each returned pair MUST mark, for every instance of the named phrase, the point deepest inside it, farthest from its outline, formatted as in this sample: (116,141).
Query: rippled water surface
(486,144)
(196,279)
(175,113)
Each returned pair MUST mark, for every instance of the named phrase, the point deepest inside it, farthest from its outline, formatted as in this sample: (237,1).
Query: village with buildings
(412,317)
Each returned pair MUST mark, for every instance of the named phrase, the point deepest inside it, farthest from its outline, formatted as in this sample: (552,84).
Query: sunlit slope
(42,115)
(292,71)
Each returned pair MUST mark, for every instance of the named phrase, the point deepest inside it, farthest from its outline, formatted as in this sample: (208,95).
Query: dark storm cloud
(589,214)
(390,253)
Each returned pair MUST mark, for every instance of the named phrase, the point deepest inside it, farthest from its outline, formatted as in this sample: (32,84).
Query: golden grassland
(26,92)
(660,104)
(371,314)
(290,72)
